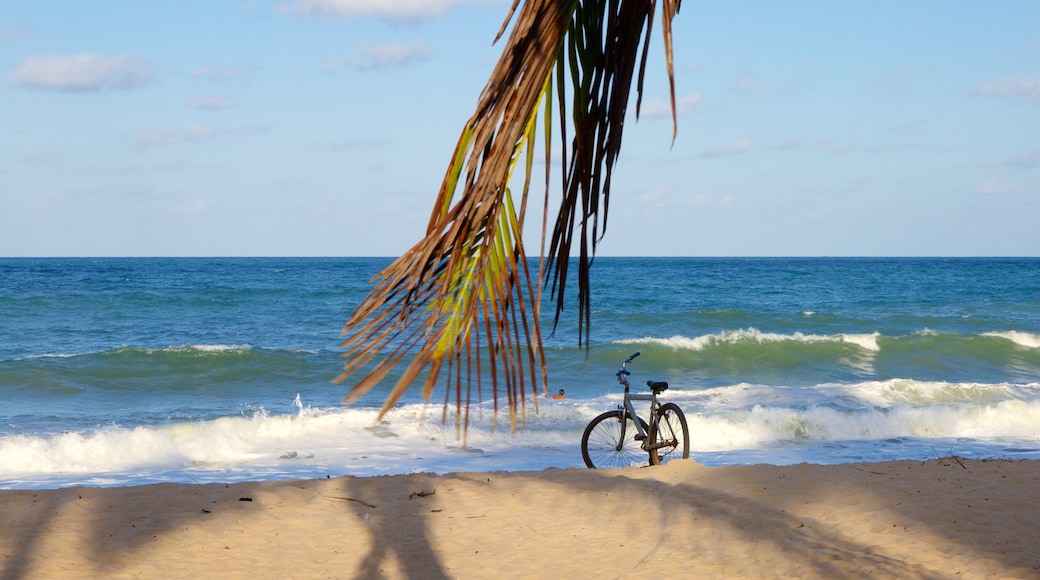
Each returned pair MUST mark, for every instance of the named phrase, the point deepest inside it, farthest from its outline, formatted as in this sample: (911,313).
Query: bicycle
(619,438)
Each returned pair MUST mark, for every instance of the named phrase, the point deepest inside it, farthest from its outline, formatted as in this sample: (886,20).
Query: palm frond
(463,298)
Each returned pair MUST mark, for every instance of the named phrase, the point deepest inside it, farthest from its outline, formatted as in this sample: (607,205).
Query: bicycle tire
(670,426)
(600,446)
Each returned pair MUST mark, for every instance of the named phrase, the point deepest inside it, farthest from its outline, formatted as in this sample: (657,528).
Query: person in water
(559,395)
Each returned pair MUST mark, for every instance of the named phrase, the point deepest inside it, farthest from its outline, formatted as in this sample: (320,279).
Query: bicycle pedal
(640,437)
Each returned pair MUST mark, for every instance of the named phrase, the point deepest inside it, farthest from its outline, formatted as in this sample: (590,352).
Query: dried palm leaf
(464,294)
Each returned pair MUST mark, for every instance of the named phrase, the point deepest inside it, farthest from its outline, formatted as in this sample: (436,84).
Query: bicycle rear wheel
(671,431)
(602,444)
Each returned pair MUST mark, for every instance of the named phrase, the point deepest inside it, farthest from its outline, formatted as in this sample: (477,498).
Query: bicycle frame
(622,375)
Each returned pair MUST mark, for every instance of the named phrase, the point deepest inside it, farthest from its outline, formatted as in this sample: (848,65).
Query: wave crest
(1026,339)
(864,341)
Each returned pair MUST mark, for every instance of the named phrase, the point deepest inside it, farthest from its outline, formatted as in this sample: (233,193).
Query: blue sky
(323,127)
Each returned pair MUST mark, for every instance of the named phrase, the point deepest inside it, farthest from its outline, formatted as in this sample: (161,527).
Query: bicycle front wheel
(610,441)
(671,439)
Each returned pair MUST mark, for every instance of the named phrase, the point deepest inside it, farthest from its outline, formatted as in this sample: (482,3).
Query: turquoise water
(125,371)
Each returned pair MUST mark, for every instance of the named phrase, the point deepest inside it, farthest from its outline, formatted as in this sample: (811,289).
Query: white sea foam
(187,348)
(765,426)
(205,348)
(1026,339)
(867,342)
(928,393)
(863,395)
(46,355)
(725,419)
(310,442)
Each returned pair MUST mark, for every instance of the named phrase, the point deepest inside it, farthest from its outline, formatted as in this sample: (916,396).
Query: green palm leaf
(462,299)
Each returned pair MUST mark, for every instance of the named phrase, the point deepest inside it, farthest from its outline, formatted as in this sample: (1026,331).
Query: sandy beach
(947,518)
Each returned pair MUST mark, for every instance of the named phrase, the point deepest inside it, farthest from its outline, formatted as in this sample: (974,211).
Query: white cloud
(1023,89)
(387,9)
(211,103)
(729,150)
(366,56)
(82,72)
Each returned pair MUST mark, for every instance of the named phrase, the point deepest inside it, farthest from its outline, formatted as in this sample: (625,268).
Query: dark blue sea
(132,371)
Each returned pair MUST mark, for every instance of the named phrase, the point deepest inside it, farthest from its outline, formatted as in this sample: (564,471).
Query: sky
(324,127)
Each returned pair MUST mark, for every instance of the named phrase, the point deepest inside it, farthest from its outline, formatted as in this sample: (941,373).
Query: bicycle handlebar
(622,373)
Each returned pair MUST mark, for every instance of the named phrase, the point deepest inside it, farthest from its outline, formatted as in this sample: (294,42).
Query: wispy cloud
(12,33)
(749,84)
(351,145)
(366,56)
(658,108)
(191,134)
(1023,89)
(827,146)
(995,187)
(191,206)
(161,167)
(219,73)
(729,149)
(45,156)
(1021,162)
(82,73)
(211,103)
(902,81)
(386,9)
(746,84)
(670,199)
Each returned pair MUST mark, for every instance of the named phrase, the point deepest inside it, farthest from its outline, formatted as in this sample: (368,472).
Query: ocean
(128,371)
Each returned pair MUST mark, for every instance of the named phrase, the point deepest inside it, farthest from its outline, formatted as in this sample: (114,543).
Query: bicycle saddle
(657,387)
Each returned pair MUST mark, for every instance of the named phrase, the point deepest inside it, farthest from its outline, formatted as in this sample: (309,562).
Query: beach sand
(947,518)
